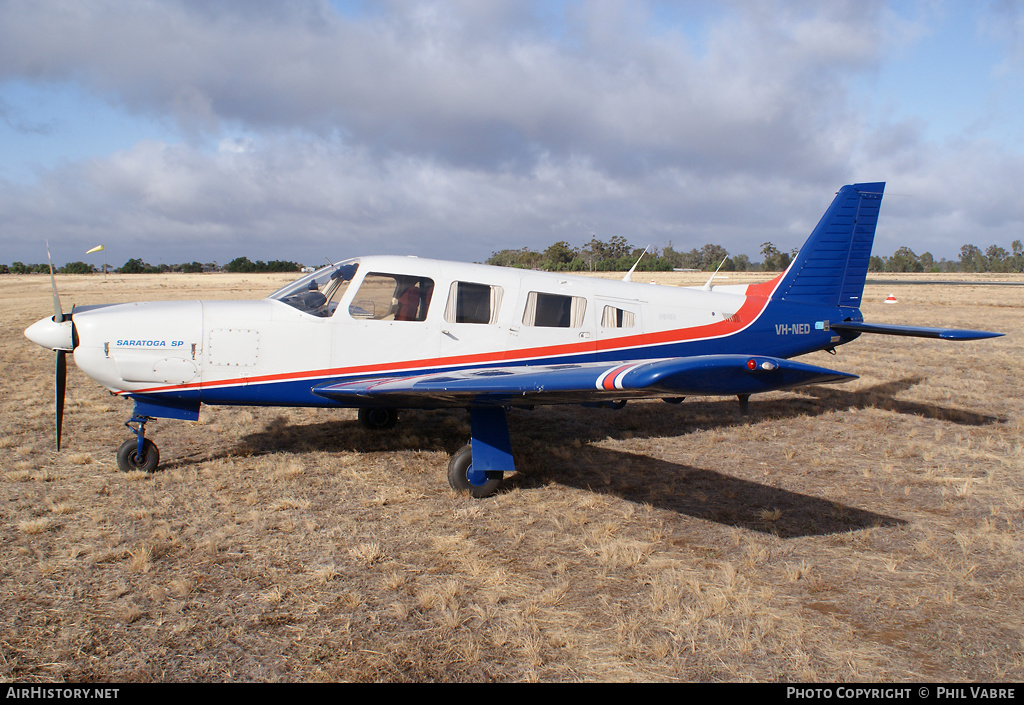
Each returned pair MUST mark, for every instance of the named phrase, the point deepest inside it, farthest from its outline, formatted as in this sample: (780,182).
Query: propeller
(61,371)
(60,384)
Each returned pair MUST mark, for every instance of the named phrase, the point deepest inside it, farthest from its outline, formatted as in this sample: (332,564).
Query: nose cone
(52,335)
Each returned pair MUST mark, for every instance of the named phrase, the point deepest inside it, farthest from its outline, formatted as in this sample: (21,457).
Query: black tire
(128,459)
(378,419)
(458,475)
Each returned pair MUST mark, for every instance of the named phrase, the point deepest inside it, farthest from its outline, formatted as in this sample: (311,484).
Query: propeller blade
(58,312)
(60,384)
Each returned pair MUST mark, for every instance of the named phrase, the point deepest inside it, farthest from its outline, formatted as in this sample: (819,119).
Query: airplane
(386,333)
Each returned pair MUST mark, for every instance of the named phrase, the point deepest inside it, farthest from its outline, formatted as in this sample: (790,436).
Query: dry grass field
(872,531)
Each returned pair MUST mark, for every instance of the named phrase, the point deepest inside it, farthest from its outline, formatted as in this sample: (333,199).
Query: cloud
(466,85)
(459,128)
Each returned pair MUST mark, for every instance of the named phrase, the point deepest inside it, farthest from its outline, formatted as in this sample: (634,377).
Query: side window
(617,318)
(554,310)
(392,297)
(472,303)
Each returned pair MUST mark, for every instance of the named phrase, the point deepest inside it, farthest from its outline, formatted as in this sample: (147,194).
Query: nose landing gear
(139,453)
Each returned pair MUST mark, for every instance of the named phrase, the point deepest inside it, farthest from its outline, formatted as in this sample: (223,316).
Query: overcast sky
(307,130)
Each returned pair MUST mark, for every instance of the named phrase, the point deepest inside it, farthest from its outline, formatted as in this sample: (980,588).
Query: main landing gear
(377,419)
(139,453)
(478,468)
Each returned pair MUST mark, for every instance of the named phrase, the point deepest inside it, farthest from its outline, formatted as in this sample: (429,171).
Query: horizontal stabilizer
(913,331)
(706,375)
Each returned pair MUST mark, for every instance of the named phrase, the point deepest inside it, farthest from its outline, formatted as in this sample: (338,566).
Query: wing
(913,331)
(706,375)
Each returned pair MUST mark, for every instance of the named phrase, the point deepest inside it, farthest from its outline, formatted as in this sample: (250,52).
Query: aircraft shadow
(654,420)
(882,396)
(705,494)
(697,492)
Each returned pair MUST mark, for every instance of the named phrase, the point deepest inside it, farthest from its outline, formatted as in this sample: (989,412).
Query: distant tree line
(242,264)
(972,259)
(618,255)
(138,266)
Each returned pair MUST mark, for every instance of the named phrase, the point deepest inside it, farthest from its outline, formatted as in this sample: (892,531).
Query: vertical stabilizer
(831,266)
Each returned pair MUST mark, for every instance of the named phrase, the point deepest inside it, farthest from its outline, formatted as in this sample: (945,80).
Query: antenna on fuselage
(629,274)
(707,285)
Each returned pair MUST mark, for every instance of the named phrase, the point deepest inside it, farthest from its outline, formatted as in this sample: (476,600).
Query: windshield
(319,292)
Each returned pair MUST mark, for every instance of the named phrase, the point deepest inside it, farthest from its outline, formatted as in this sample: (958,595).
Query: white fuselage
(157,347)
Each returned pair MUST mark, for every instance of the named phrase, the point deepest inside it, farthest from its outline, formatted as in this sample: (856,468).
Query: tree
(997,258)
(774,261)
(618,247)
(559,256)
(675,259)
(928,262)
(240,265)
(711,256)
(971,259)
(77,268)
(135,266)
(691,259)
(904,260)
(521,258)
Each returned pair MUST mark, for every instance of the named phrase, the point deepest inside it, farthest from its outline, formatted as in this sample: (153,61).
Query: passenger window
(554,310)
(472,303)
(392,297)
(617,318)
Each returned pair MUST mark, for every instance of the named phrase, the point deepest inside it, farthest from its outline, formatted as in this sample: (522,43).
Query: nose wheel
(139,453)
(131,459)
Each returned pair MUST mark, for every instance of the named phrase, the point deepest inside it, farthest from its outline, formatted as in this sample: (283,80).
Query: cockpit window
(318,293)
(392,297)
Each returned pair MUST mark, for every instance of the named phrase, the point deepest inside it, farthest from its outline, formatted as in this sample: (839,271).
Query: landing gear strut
(744,404)
(139,453)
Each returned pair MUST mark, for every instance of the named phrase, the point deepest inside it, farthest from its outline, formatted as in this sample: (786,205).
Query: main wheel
(378,419)
(461,476)
(129,460)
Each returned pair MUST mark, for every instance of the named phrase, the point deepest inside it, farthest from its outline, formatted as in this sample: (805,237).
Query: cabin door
(553,321)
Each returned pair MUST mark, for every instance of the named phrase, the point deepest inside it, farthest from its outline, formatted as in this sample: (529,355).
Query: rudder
(831,267)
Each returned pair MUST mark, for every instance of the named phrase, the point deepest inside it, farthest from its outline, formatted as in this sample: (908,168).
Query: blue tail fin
(831,266)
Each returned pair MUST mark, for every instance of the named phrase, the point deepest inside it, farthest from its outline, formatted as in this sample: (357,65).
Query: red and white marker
(891,299)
